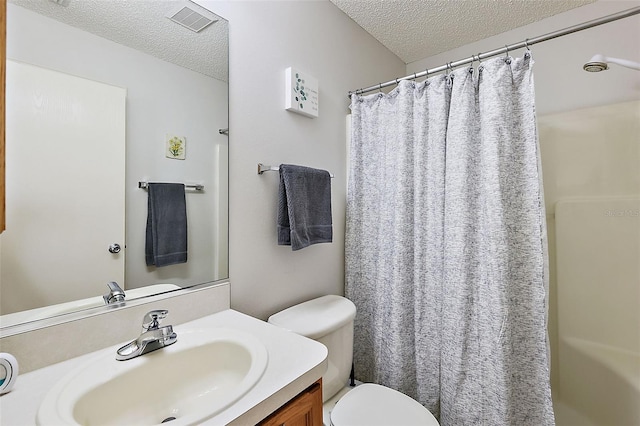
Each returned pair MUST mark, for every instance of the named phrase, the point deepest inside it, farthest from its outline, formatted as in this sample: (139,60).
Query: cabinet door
(303,410)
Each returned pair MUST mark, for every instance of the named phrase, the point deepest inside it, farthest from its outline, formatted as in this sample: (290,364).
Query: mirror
(169,83)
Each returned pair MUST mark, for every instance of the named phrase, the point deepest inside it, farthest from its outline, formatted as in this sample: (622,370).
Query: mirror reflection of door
(54,119)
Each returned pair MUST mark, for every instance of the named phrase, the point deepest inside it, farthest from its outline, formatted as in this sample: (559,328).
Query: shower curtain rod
(528,42)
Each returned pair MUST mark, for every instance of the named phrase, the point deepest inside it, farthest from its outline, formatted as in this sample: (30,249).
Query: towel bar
(194,186)
(262,168)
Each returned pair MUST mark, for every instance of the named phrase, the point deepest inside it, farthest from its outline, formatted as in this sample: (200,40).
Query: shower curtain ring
(473,59)
(526,44)
(380,87)
(507,59)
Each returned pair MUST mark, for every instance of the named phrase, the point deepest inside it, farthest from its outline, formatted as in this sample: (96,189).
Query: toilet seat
(375,405)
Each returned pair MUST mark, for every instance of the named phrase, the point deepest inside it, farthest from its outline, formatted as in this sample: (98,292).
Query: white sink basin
(199,376)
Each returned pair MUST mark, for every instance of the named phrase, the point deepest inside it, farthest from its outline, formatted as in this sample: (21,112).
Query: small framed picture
(176,147)
(301,93)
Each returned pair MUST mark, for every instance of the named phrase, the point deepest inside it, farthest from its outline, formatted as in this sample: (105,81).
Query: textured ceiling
(416,29)
(142,25)
(412,29)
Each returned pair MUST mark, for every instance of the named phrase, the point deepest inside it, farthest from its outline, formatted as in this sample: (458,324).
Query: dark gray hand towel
(304,207)
(166,240)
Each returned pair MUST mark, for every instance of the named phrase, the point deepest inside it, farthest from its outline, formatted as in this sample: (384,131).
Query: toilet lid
(374,405)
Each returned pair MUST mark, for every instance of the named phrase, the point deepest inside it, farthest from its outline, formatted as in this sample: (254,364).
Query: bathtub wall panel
(589,153)
(598,271)
(598,292)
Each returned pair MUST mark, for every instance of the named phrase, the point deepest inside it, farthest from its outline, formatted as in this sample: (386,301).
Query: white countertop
(295,362)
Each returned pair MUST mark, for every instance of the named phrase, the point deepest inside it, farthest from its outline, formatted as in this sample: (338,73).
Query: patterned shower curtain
(446,255)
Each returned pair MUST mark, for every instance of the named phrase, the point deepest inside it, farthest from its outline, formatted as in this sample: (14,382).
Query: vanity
(285,389)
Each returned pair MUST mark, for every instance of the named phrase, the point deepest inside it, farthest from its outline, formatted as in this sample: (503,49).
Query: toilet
(329,320)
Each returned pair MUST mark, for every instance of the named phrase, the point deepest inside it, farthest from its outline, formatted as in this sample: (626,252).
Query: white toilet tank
(329,320)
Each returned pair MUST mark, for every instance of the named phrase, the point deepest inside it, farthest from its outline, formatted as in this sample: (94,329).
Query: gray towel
(304,207)
(166,241)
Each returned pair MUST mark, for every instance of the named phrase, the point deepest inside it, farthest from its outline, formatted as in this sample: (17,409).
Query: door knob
(115,248)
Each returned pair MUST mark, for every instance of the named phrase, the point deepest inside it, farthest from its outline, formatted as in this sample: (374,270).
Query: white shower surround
(598,247)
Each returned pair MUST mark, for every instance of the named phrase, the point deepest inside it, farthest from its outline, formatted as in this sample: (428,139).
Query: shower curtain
(446,245)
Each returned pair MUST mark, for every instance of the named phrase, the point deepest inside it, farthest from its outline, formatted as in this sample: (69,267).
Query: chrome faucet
(115,295)
(153,337)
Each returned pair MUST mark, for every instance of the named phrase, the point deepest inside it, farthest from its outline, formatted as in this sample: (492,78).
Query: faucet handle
(151,320)
(116,293)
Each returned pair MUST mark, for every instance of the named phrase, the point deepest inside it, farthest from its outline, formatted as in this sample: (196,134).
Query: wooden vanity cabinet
(303,410)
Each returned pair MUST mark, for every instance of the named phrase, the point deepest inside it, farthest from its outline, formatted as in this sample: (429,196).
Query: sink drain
(168,419)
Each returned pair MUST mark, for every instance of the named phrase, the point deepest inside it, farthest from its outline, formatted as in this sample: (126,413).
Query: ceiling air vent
(64,3)
(188,17)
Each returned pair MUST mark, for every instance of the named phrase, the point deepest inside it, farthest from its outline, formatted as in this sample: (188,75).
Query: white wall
(266,37)
(161,98)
